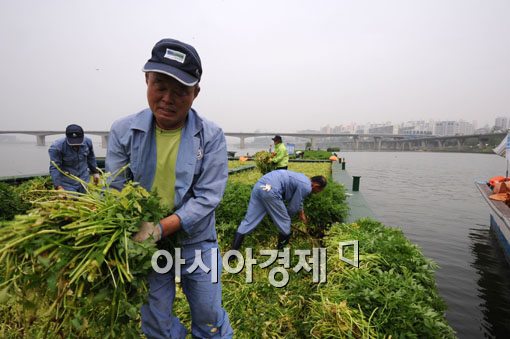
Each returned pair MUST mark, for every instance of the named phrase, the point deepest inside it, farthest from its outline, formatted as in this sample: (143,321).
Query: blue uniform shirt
(80,163)
(200,175)
(292,187)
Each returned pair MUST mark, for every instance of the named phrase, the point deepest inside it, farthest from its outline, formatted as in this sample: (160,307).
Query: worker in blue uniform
(171,149)
(72,154)
(269,196)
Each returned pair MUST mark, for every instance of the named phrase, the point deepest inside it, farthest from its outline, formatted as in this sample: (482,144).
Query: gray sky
(268,65)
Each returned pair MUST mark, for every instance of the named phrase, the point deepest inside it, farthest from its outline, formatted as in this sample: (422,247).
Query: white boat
(499,218)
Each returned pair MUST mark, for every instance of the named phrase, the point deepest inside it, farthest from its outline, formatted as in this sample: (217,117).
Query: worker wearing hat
(280,155)
(171,149)
(72,154)
(279,194)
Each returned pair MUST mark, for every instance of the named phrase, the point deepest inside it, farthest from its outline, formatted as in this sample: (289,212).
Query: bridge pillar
(377,143)
(356,143)
(104,141)
(41,140)
(241,143)
(460,143)
(482,141)
(312,142)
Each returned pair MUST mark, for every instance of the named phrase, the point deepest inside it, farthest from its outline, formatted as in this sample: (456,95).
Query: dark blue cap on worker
(74,135)
(176,59)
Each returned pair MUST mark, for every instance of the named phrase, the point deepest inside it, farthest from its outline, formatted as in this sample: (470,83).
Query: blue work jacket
(291,187)
(80,163)
(200,175)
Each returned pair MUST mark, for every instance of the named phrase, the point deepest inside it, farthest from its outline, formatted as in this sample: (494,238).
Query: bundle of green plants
(10,202)
(73,256)
(263,162)
(393,287)
(33,189)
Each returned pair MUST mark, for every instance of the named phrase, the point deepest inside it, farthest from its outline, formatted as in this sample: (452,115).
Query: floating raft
(358,206)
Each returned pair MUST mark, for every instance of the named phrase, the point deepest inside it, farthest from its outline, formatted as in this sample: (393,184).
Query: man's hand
(96,178)
(148,229)
(303,217)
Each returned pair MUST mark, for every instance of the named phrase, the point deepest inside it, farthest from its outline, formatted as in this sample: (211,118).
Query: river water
(433,199)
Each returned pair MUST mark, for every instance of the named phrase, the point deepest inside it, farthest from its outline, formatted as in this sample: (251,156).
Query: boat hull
(499,219)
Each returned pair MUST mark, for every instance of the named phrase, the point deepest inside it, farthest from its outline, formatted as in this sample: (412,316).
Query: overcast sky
(268,65)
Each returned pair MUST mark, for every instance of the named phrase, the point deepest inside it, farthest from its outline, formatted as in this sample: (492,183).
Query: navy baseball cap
(175,59)
(74,135)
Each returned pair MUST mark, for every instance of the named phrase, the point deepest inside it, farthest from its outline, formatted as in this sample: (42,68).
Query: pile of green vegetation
(391,294)
(17,199)
(10,202)
(317,155)
(70,268)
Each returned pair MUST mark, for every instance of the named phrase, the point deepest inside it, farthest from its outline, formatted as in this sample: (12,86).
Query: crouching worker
(73,154)
(269,195)
(173,150)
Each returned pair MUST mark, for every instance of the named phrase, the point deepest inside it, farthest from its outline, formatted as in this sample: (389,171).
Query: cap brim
(183,77)
(75,141)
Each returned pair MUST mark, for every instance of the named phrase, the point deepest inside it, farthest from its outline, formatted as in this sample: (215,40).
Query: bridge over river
(346,141)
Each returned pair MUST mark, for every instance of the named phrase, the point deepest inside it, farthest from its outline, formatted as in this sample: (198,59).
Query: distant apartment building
(465,128)
(414,130)
(387,129)
(361,129)
(447,128)
(501,123)
(418,128)
(326,129)
(339,129)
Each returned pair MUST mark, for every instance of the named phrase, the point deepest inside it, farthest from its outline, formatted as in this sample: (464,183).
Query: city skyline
(308,64)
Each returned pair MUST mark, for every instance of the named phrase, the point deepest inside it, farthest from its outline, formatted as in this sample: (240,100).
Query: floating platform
(358,206)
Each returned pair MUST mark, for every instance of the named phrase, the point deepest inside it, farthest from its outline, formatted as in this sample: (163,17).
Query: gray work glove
(148,229)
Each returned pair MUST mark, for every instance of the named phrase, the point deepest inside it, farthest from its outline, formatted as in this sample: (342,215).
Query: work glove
(148,229)
(95,177)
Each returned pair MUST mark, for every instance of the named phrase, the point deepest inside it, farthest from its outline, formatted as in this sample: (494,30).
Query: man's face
(316,188)
(169,100)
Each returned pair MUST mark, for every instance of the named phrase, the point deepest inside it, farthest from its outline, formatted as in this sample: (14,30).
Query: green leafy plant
(325,208)
(10,202)
(263,162)
(73,253)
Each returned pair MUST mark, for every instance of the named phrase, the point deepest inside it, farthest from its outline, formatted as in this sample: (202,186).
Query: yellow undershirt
(167,148)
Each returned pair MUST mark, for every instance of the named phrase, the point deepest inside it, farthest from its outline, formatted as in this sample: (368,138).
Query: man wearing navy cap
(280,155)
(72,154)
(171,149)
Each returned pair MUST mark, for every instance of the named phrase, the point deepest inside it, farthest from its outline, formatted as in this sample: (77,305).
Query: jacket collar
(145,122)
